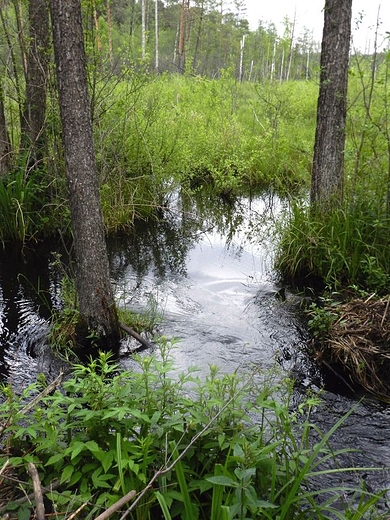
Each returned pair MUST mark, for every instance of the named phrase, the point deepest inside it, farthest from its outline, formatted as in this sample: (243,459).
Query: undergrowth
(219,447)
(346,248)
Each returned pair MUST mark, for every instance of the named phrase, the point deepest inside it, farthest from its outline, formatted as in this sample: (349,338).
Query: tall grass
(18,198)
(178,130)
(345,248)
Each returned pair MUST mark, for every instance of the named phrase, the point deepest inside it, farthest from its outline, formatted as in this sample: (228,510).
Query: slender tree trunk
(21,37)
(291,47)
(5,144)
(33,119)
(328,161)
(241,71)
(96,303)
(109,29)
(96,25)
(198,36)
(273,63)
(156,33)
(14,71)
(131,28)
(181,49)
(367,99)
(143,24)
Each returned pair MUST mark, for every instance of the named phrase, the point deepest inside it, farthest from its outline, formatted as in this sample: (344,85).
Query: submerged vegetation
(227,446)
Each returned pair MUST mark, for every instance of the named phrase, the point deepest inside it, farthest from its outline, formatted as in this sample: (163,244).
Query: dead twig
(40,507)
(385,313)
(4,466)
(120,503)
(73,515)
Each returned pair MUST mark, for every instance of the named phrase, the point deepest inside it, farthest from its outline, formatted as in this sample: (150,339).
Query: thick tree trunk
(33,119)
(96,302)
(328,162)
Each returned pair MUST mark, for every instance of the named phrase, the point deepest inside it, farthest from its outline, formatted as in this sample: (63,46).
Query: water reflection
(208,268)
(216,259)
(26,288)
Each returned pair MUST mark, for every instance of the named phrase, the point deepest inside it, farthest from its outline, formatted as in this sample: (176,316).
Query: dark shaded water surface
(207,270)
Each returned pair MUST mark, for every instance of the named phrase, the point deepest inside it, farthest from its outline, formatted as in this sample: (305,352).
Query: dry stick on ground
(40,508)
(121,502)
(386,309)
(73,515)
(167,469)
(4,467)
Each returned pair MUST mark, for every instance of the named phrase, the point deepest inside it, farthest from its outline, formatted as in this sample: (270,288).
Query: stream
(205,270)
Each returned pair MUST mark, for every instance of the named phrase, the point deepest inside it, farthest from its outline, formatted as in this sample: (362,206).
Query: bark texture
(328,161)
(33,118)
(96,302)
(5,145)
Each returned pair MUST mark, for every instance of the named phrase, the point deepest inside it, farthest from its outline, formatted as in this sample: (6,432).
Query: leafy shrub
(221,447)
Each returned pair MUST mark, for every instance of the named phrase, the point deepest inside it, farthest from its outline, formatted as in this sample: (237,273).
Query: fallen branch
(121,502)
(40,507)
(4,467)
(135,335)
(73,515)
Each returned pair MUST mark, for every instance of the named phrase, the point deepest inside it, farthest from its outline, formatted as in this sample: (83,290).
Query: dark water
(207,270)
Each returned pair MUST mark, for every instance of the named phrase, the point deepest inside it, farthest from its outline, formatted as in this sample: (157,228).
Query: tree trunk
(5,145)
(14,67)
(96,303)
(109,31)
(33,119)
(143,28)
(198,36)
(328,161)
(180,48)
(156,66)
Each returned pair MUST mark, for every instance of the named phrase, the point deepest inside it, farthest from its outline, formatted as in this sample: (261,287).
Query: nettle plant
(216,447)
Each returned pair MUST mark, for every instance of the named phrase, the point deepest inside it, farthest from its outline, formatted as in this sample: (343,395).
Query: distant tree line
(205,37)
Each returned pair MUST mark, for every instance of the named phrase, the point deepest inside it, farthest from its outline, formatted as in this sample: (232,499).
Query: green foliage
(320,320)
(18,198)
(223,447)
(178,131)
(346,247)
(64,320)
(141,321)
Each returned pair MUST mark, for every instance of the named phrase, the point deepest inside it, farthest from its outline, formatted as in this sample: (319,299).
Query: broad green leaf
(92,446)
(74,449)
(107,460)
(222,480)
(24,513)
(67,473)
(55,458)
